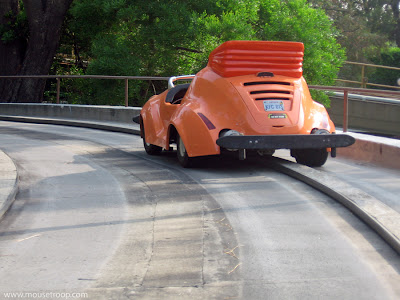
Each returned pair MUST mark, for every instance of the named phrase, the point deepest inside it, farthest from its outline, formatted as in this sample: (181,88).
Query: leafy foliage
(296,21)
(365,25)
(388,57)
(16,26)
(165,38)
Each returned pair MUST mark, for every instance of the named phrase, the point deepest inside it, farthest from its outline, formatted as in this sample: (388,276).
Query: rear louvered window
(266,82)
(269,90)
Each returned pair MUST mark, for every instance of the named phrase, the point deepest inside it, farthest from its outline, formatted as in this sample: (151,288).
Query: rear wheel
(266,153)
(182,155)
(149,148)
(311,157)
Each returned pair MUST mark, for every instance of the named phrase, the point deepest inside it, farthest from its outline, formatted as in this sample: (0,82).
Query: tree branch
(188,50)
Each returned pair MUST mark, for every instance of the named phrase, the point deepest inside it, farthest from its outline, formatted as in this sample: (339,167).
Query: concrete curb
(380,217)
(8,183)
(373,149)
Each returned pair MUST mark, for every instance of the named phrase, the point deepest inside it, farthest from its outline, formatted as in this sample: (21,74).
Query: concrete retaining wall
(76,112)
(364,114)
(367,115)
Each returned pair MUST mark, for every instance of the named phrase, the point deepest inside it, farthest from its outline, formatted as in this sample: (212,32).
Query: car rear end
(280,113)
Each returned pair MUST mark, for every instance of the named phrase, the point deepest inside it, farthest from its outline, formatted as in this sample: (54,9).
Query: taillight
(206,121)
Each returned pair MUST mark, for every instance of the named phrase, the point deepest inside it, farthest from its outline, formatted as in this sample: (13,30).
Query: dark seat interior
(177,93)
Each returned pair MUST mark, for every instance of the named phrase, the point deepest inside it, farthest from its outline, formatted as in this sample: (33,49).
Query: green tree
(388,57)
(175,37)
(152,39)
(296,21)
(160,38)
(365,25)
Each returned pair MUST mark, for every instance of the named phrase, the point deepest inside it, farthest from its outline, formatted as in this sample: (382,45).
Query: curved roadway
(95,214)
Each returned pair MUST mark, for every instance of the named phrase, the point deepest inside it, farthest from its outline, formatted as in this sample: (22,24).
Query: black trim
(265,74)
(272,98)
(265,82)
(136,119)
(292,141)
(177,92)
(270,92)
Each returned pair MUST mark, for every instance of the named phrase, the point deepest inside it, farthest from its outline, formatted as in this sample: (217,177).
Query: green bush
(388,57)
(167,38)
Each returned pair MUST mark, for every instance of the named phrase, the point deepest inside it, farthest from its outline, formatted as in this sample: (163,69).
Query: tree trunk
(396,14)
(45,19)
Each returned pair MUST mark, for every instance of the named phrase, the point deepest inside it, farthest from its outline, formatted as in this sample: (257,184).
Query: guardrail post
(362,76)
(365,82)
(58,90)
(126,92)
(345,109)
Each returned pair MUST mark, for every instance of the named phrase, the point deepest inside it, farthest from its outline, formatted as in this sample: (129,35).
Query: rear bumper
(293,141)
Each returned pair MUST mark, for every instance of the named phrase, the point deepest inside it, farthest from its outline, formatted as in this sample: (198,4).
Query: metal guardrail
(345,90)
(59,77)
(364,80)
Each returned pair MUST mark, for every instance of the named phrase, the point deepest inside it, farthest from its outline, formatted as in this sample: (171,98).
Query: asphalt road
(95,214)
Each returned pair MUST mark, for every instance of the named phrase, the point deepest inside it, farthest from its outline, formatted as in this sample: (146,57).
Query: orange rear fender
(199,140)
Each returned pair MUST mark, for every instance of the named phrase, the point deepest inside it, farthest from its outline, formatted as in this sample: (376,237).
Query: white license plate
(274,105)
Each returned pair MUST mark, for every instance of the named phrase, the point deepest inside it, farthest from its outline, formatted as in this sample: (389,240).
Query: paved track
(95,214)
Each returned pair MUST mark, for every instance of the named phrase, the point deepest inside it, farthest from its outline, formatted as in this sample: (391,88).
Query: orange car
(250,96)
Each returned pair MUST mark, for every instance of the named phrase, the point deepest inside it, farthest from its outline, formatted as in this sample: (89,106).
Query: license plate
(274,105)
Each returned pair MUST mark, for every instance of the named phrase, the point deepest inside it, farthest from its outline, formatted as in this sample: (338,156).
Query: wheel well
(173,134)
(141,126)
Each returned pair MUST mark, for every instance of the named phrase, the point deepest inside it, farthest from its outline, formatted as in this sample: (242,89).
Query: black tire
(183,158)
(266,154)
(149,148)
(312,157)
